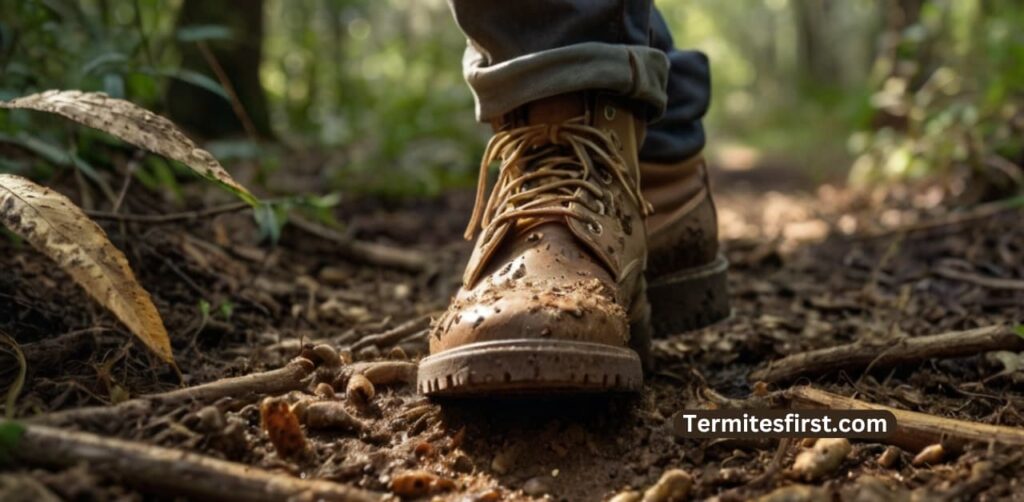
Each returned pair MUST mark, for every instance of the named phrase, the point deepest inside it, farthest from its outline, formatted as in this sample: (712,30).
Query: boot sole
(530,366)
(689,299)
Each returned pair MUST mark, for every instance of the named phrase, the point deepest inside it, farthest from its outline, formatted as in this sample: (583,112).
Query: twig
(913,430)
(291,377)
(366,252)
(19,381)
(980,212)
(51,352)
(171,217)
(130,168)
(394,335)
(169,471)
(906,350)
(980,280)
(225,82)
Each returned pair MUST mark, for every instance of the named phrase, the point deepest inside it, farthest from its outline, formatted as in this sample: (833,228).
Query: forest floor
(810,269)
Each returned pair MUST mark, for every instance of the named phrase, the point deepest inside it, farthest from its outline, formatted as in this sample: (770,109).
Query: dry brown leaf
(60,230)
(282,426)
(134,125)
(419,483)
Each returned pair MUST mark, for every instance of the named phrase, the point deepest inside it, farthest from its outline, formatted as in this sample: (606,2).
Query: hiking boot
(685,270)
(553,295)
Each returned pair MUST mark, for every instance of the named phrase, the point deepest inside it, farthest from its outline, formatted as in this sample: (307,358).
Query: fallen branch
(906,350)
(291,377)
(173,472)
(370,253)
(914,430)
(394,335)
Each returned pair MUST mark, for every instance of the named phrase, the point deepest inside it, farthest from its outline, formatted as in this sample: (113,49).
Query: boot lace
(544,168)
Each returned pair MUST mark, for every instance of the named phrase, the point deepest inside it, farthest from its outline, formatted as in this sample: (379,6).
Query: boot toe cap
(574,312)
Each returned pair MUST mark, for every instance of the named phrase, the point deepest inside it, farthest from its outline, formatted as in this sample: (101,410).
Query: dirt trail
(804,276)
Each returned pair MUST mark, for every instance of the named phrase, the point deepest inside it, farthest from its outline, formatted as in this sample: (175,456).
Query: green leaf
(204,309)
(135,125)
(201,32)
(189,77)
(271,218)
(113,84)
(105,59)
(227,309)
(1019,330)
(11,433)
(59,157)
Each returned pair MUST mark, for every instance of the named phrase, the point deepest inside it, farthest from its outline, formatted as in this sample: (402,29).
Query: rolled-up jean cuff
(634,72)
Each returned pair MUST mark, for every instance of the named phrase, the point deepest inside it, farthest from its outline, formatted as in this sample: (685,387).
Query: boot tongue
(553,111)
(556,109)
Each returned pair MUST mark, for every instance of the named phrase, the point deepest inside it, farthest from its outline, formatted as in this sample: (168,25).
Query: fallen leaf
(419,484)
(135,125)
(60,230)
(282,427)
(1010,361)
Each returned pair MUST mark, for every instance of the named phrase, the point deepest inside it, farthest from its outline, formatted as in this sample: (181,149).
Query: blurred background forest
(368,95)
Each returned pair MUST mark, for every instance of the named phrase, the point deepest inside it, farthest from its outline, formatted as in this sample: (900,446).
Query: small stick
(170,217)
(394,335)
(291,377)
(906,350)
(169,471)
(914,430)
(951,222)
(366,252)
(980,280)
(225,82)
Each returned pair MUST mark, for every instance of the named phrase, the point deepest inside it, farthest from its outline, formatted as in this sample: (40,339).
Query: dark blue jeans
(523,50)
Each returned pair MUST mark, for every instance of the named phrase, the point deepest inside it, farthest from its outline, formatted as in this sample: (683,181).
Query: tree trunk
(206,113)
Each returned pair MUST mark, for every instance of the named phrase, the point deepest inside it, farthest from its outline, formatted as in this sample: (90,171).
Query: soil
(808,270)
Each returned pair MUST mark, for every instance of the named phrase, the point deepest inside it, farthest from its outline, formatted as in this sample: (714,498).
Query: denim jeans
(523,50)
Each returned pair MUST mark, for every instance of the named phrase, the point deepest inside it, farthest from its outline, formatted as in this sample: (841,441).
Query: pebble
(626,496)
(359,390)
(873,489)
(324,390)
(822,459)
(538,486)
(889,457)
(797,493)
(210,419)
(504,460)
(463,464)
(931,454)
(673,486)
(327,354)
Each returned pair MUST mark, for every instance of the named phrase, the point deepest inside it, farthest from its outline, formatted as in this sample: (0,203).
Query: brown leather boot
(685,271)
(553,295)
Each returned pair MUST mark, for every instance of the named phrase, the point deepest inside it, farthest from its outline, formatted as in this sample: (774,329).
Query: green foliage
(11,433)
(376,86)
(951,95)
(121,48)
(383,81)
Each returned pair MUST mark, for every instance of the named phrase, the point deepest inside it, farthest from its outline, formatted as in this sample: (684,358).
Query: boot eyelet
(615,139)
(595,228)
(609,112)
(604,176)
